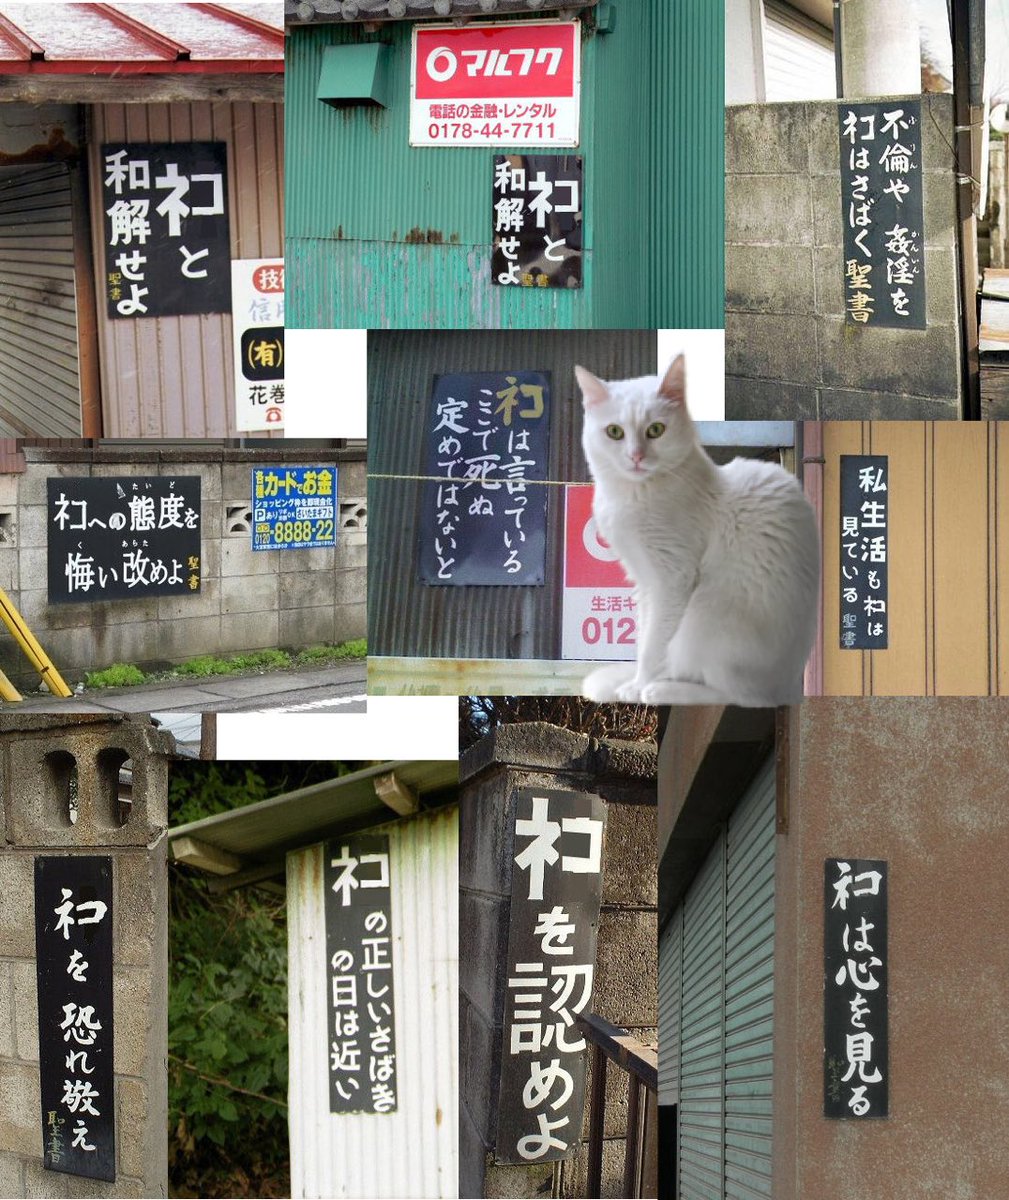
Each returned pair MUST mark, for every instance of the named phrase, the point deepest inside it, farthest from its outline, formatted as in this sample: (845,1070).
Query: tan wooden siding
(173,376)
(949,559)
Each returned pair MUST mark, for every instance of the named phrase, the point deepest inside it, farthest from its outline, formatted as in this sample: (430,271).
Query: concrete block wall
(789,354)
(34,820)
(625,991)
(247,600)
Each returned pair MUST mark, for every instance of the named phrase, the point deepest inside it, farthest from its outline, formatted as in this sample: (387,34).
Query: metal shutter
(798,55)
(702,1112)
(39,386)
(716,993)
(749,992)
(670,961)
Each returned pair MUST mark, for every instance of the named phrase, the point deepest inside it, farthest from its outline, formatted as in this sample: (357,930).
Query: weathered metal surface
(174,376)
(42,38)
(408,618)
(302,11)
(389,676)
(414,1150)
(39,384)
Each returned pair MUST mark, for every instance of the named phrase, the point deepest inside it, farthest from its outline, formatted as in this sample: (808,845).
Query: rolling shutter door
(798,56)
(749,992)
(702,1113)
(39,385)
(670,959)
(719,998)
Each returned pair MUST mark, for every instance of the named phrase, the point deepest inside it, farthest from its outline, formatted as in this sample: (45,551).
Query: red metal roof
(78,38)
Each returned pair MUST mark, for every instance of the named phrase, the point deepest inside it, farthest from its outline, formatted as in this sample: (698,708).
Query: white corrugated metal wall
(414,1151)
(716,971)
(39,383)
(172,377)
(798,55)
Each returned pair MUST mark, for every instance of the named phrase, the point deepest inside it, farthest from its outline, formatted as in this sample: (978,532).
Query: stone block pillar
(62,794)
(625,991)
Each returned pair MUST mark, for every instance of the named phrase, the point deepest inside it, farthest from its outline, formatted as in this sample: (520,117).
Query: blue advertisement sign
(293,508)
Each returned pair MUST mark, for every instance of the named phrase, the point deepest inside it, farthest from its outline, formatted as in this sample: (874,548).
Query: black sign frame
(74,954)
(487,437)
(865,552)
(537,239)
(176,263)
(855,989)
(97,543)
(358,911)
(540,1045)
(882,213)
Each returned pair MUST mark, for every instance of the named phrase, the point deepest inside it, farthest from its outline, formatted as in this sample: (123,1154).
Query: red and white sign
(598,616)
(515,83)
(257,320)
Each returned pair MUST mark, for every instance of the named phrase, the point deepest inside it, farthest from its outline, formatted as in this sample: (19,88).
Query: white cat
(725,560)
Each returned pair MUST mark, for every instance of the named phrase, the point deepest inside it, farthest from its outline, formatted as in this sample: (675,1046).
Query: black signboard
(881,202)
(865,536)
(167,242)
(361,996)
(537,220)
(73,947)
(123,538)
(556,888)
(486,437)
(856,1069)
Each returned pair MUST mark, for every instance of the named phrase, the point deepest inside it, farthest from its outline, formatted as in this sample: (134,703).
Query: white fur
(725,560)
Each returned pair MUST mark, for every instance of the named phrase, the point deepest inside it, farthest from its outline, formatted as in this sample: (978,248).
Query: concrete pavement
(333,688)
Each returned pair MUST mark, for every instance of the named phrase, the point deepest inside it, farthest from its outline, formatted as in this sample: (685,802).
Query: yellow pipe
(7,689)
(31,648)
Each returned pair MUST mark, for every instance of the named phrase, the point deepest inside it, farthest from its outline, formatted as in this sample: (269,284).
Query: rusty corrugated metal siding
(406,617)
(385,235)
(413,1151)
(173,376)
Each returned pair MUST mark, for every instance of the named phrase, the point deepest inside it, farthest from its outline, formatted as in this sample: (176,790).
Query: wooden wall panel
(172,377)
(949,560)
(900,669)
(960,568)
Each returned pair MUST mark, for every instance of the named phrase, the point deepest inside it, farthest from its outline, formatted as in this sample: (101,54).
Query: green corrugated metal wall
(382,235)
(716,1048)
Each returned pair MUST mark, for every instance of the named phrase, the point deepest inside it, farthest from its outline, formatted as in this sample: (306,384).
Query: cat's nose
(637,456)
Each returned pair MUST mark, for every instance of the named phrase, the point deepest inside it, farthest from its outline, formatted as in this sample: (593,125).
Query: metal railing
(641,1064)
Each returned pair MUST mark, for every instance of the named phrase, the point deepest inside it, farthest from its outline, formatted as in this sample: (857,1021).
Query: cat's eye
(615,432)
(656,429)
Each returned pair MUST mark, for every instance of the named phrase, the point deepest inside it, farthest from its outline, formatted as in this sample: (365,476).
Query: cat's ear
(594,391)
(673,387)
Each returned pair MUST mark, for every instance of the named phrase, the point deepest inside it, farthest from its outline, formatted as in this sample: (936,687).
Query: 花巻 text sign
(257,299)
(513,83)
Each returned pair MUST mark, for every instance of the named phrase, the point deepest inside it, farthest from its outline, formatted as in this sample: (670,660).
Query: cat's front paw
(629,693)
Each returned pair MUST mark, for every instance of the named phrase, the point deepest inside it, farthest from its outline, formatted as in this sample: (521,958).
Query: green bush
(118,675)
(358,648)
